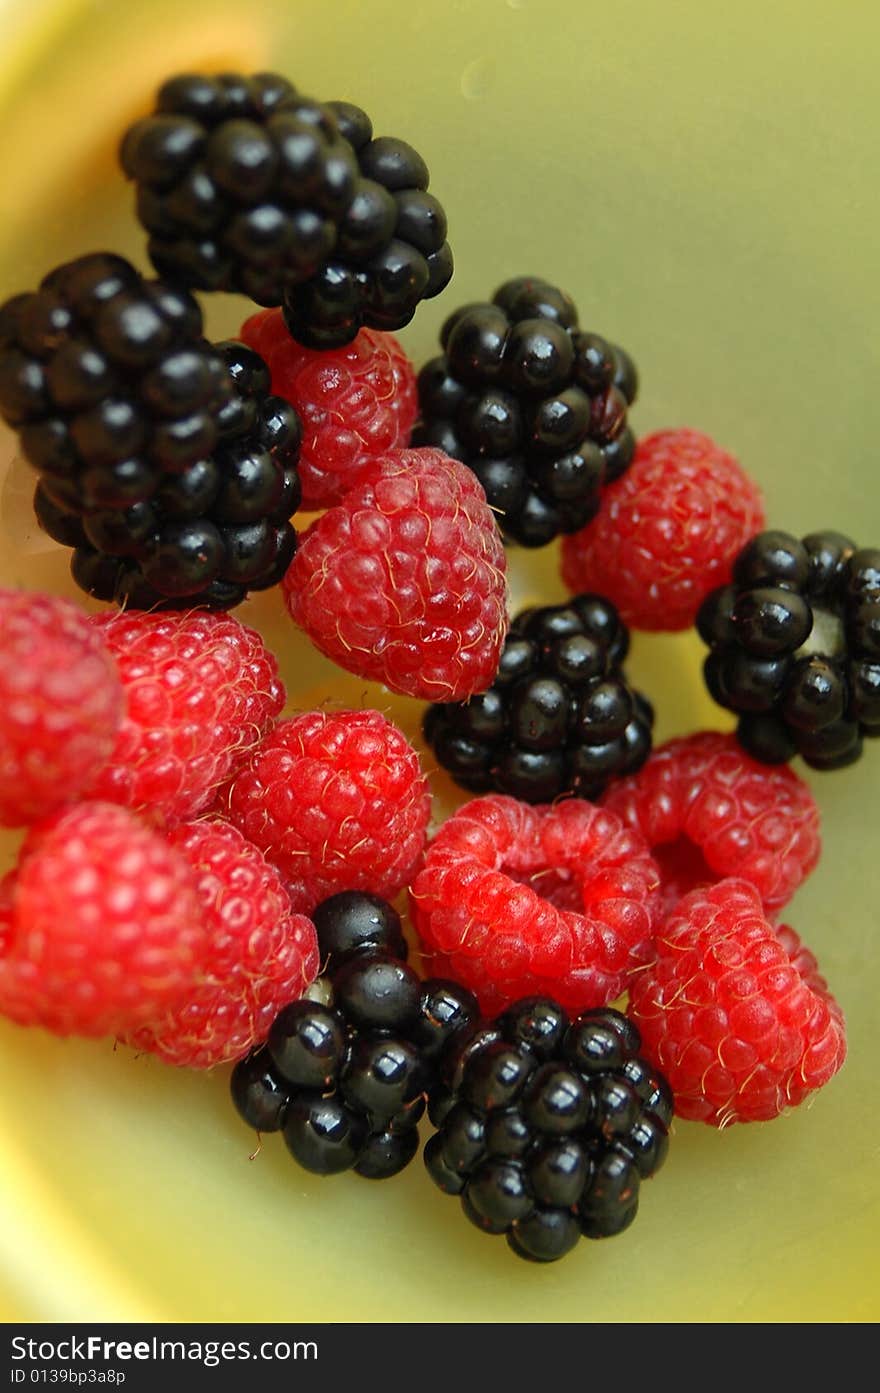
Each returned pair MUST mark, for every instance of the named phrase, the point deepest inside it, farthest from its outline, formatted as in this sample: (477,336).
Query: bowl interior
(703,194)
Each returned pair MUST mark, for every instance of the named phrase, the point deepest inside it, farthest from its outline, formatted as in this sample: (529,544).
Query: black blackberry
(560,716)
(242,183)
(795,647)
(391,251)
(213,530)
(534,405)
(346,1071)
(108,382)
(549,1127)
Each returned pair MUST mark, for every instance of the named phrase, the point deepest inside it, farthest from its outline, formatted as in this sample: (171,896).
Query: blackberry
(242,183)
(534,405)
(214,529)
(346,1070)
(108,382)
(560,716)
(795,647)
(391,251)
(549,1126)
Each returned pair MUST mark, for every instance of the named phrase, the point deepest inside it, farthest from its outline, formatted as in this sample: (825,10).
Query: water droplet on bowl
(478,78)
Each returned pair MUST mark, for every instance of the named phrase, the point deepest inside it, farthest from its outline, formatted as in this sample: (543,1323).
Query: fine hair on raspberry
(708,811)
(405,581)
(734,1011)
(514,899)
(337,800)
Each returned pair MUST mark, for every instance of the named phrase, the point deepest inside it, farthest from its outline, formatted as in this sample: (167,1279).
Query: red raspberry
(668,531)
(201,689)
(259,956)
(708,810)
(355,402)
(105,928)
(404,581)
(735,1012)
(515,899)
(60,704)
(337,801)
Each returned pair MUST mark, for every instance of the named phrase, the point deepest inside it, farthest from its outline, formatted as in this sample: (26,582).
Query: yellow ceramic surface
(704,180)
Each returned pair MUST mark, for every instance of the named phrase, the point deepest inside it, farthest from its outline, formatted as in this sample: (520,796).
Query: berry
(258,956)
(351,921)
(734,1011)
(708,810)
(106,929)
(667,532)
(391,250)
(260,1097)
(560,716)
(337,801)
(535,406)
(109,383)
(404,581)
(200,691)
(794,647)
(242,183)
(346,1077)
(511,899)
(60,705)
(545,1147)
(355,403)
(214,529)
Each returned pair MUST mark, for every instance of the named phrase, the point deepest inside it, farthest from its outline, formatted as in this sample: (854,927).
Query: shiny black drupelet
(211,531)
(109,383)
(795,647)
(391,251)
(547,1126)
(245,185)
(346,1072)
(242,183)
(533,404)
(560,716)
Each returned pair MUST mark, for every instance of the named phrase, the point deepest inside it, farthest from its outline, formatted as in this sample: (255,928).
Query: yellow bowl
(702,184)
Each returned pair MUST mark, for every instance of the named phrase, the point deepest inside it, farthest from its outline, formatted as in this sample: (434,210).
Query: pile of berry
(217,883)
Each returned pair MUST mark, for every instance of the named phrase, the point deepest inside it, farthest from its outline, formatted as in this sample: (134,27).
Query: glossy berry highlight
(549,1127)
(533,404)
(794,647)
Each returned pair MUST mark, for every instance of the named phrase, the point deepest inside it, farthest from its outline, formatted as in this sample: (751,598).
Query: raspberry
(105,929)
(667,532)
(337,801)
(355,403)
(795,647)
(404,581)
(201,690)
(735,1012)
(259,956)
(534,405)
(560,716)
(60,704)
(242,183)
(550,1128)
(346,1075)
(513,900)
(708,810)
